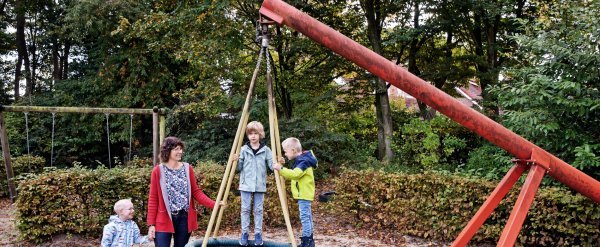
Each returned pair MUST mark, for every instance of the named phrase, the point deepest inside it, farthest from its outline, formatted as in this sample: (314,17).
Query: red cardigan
(157,211)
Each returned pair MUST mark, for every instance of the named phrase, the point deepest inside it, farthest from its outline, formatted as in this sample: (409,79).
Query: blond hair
(292,143)
(255,126)
(120,204)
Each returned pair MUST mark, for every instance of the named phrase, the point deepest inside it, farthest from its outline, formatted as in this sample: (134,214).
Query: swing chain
(52,141)
(27,131)
(108,139)
(130,134)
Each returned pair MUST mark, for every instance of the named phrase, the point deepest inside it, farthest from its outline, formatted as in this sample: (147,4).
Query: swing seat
(217,242)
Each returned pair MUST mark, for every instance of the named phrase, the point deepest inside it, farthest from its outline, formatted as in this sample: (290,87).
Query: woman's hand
(236,157)
(151,233)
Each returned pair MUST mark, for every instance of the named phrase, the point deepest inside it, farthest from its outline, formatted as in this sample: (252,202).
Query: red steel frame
(530,157)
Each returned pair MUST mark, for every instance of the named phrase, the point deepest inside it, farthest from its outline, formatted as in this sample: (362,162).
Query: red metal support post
(519,212)
(283,13)
(490,204)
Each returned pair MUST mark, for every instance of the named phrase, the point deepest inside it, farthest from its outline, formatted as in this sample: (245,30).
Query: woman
(170,205)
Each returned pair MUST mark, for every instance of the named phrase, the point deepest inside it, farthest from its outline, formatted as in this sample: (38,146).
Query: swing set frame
(529,156)
(158,129)
(217,212)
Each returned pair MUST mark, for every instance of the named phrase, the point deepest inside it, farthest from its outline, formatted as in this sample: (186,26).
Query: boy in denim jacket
(121,230)
(254,159)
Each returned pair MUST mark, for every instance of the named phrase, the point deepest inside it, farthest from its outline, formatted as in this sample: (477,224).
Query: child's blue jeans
(306,217)
(259,199)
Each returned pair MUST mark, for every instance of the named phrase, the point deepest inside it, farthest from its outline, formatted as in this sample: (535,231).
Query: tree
(485,28)
(553,96)
(375,13)
(23,55)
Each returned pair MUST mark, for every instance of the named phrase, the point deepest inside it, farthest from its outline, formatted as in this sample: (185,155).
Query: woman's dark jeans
(181,235)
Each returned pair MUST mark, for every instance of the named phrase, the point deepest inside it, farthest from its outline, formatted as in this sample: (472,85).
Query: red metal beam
(283,13)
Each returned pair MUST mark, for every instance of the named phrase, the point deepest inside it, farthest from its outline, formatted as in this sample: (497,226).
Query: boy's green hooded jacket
(302,177)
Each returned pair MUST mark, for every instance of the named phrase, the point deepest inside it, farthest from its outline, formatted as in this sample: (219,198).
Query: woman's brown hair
(169,144)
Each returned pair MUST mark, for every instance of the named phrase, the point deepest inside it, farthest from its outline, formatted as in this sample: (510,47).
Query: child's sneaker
(244,239)
(258,239)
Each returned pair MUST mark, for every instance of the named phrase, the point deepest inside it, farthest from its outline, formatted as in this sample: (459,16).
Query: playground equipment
(529,156)
(263,38)
(158,123)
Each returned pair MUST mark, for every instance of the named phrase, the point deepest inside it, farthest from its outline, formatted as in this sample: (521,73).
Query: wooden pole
(7,162)
(234,150)
(280,154)
(231,175)
(155,136)
(162,124)
(274,144)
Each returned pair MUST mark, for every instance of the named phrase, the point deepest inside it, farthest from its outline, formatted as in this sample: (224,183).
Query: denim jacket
(253,168)
(118,233)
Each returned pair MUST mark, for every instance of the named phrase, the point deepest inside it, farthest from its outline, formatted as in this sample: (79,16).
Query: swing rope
(52,141)
(27,131)
(108,139)
(276,147)
(130,134)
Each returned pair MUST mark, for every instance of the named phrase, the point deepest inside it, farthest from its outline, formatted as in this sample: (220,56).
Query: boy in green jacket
(302,183)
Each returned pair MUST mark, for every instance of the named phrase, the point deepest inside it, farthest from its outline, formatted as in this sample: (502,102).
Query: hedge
(79,200)
(438,206)
(21,165)
(430,205)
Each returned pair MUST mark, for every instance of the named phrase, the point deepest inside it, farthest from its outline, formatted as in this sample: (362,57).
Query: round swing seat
(218,242)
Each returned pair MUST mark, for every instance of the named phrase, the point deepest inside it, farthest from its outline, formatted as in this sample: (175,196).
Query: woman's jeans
(306,217)
(259,199)
(181,235)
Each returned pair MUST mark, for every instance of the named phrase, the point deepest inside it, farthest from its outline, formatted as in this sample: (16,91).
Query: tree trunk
(64,60)
(21,49)
(492,60)
(382,101)
(56,63)
(424,110)
(2,7)
(33,51)
(18,77)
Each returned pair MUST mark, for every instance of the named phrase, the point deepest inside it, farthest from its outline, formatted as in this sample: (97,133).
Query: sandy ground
(348,236)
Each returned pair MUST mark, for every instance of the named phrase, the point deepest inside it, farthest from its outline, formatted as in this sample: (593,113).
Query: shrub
(437,206)
(21,166)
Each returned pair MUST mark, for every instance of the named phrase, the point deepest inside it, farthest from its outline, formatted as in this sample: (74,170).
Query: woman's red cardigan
(157,211)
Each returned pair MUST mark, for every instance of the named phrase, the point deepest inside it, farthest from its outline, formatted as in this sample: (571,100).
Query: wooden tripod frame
(235,149)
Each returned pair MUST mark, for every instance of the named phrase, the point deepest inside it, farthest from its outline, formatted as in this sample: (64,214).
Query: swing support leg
(285,14)
(6,155)
(519,212)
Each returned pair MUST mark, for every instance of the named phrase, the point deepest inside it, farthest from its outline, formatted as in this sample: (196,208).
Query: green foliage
(432,145)
(487,161)
(552,98)
(438,206)
(80,200)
